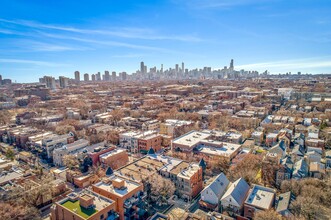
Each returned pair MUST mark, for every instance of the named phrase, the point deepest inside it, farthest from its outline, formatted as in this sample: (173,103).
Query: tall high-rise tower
(113,76)
(183,67)
(142,67)
(98,76)
(64,81)
(107,76)
(77,76)
(231,65)
(86,77)
(177,68)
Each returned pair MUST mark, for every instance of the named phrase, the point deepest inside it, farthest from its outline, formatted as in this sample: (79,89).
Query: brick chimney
(118,183)
(86,201)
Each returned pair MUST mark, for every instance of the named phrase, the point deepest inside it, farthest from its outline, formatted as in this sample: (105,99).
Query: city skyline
(279,36)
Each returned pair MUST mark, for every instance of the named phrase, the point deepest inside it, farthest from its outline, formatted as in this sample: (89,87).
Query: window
(101,217)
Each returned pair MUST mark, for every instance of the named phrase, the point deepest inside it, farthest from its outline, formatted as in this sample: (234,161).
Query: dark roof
(202,164)
(109,171)
(151,151)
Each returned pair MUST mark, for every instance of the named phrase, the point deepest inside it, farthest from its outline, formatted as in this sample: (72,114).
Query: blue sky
(39,37)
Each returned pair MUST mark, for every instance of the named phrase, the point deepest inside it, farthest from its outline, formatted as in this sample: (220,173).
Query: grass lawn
(83,212)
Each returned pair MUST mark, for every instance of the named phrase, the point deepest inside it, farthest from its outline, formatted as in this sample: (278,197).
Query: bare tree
(17,211)
(159,188)
(112,137)
(5,117)
(70,161)
(267,215)
(117,114)
(247,168)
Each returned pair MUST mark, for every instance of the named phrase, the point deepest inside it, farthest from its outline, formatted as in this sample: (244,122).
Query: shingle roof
(219,185)
(300,169)
(238,190)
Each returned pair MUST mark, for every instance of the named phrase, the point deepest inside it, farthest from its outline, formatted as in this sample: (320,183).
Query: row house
(147,142)
(54,141)
(130,140)
(68,149)
(114,158)
(171,127)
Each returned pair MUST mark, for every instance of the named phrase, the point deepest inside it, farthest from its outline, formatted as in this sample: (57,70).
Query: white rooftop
(189,171)
(260,197)
(192,138)
(218,148)
(170,162)
(175,122)
(111,153)
(128,186)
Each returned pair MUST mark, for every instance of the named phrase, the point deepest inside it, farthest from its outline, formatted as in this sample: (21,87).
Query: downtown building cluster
(177,73)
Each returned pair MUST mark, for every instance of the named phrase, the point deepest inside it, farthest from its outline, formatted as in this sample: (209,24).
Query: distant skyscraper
(183,69)
(177,68)
(161,68)
(113,76)
(93,77)
(124,76)
(0,80)
(98,76)
(50,82)
(41,80)
(145,69)
(86,77)
(77,76)
(231,65)
(107,76)
(64,81)
(142,67)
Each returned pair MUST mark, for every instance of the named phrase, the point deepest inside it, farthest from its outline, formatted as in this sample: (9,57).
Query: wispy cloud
(221,4)
(127,32)
(38,46)
(105,42)
(5,31)
(31,62)
(287,65)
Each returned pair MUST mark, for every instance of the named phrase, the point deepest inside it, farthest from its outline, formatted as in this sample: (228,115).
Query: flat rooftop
(145,166)
(177,169)
(111,153)
(260,197)
(175,122)
(191,139)
(72,203)
(189,171)
(6,177)
(129,186)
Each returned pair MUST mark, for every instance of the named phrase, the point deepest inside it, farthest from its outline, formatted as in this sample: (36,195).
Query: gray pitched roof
(283,201)
(300,169)
(219,185)
(278,149)
(238,190)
